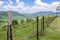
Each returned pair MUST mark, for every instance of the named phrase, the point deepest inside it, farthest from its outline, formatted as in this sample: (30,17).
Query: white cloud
(38,2)
(17,1)
(9,7)
(38,6)
(1,3)
(53,6)
(10,1)
(20,5)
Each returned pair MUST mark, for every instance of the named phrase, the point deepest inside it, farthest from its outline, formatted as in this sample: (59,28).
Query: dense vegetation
(25,29)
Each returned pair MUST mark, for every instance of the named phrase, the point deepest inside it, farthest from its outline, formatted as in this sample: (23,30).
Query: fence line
(9,29)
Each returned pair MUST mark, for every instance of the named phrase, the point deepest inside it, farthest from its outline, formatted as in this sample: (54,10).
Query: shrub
(29,20)
(22,21)
(14,23)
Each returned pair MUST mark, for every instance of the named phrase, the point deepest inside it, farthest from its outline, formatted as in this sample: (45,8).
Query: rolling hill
(43,13)
(14,14)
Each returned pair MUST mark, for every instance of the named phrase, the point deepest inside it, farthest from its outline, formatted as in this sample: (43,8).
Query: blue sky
(50,1)
(31,2)
(28,6)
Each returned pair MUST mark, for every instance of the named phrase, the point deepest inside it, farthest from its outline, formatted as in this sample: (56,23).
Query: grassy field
(27,31)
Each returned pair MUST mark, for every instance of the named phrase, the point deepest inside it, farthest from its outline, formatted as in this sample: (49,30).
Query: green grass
(26,31)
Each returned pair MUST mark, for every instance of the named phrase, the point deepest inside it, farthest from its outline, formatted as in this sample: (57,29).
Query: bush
(22,21)
(14,23)
(29,20)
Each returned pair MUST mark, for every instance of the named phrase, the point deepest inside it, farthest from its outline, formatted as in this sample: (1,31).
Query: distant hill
(21,15)
(44,13)
(14,14)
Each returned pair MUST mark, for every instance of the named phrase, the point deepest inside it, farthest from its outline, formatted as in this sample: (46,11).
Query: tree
(14,23)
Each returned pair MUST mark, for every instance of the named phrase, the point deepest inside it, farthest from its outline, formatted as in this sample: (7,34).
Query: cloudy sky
(28,6)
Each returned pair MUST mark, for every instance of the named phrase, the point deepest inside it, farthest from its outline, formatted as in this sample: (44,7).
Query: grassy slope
(22,32)
(52,32)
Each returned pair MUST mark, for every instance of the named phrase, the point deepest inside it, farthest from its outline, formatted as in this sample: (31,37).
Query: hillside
(23,31)
(53,31)
(43,13)
(27,15)
(14,14)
